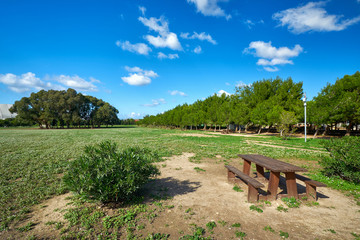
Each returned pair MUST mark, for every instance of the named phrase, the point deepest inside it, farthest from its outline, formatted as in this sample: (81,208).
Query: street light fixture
(304,100)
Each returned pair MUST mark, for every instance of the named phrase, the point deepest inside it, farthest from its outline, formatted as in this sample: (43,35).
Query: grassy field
(32,162)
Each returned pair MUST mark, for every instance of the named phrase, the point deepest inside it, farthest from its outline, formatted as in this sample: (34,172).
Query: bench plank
(245,177)
(309,181)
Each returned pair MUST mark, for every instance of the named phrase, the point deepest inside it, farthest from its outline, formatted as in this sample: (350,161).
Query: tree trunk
(326,130)
(204,127)
(259,130)
(348,129)
(215,128)
(281,132)
(316,132)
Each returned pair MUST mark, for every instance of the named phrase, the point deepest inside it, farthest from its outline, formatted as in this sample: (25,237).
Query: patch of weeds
(311,204)
(281,208)
(59,225)
(291,202)
(151,217)
(169,206)
(331,230)
(304,198)
(32,237)
(222,222)
(157,236)
(237,225)
(199,169)
(158,204)
(240,234)
(237,188)
(267,203)
(356,236)
(268,228)
(140,226)
(283,234)
(256,208)
(211,225)
(189,211)
(179,168)
(27,227)
(163,165)
(198,234)
(49,223)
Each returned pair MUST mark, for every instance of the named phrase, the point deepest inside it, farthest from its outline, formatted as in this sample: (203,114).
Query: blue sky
(145,57)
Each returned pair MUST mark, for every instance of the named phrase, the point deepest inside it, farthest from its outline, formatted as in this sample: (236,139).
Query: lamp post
(304,100)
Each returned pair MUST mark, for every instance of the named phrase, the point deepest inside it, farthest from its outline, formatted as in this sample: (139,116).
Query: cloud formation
(138,76)
(221,92)
(312,17)
(271,56)
(29,82)
(165,39)
(167,56)
(176,92)
(202,36)
(198,50)
(155,102)
(210,8)
(140,48)
(142,9)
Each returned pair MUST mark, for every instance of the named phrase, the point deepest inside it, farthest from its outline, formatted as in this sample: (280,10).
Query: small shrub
(211,225)
(105,174)
(291,202)
(199,169)
(240,235)
(268,228)
(256,208)
(284,234)
(344,159)
(237,188)
(236,225)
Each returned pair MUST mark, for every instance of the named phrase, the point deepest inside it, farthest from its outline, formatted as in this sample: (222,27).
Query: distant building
(5,113)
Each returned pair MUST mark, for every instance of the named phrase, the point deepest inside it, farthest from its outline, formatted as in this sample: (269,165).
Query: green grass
(32,161)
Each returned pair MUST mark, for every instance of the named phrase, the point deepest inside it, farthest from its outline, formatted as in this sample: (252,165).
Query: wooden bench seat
(253,185)
(310,186)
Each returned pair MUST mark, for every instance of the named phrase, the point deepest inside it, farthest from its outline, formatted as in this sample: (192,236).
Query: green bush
(344,159)
(106,174)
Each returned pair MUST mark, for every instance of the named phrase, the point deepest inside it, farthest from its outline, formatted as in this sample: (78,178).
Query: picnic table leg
(247,165)
(260,171)
(273,185)
(291,185)
(231,176)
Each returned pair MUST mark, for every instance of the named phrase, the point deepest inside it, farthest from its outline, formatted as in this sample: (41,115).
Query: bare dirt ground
(210,197)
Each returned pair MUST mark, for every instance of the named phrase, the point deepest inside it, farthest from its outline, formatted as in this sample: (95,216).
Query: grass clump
(106,174)
(291,202)
(237,188)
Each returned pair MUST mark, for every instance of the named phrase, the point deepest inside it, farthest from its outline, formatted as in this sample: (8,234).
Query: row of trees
(273,103)
(64,108)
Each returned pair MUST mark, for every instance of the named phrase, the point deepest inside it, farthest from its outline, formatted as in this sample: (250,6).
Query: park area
(191,198)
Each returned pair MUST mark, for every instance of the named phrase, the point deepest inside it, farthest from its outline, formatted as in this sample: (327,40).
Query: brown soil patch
(278,146)
(211,198)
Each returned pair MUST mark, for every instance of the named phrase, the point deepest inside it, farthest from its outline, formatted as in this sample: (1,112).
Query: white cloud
(140,48)
(197,50)
(176,92)
(312,17)
(210,8)
(155,102)
(29,82)
(142,10)
(272,56)
(249,23)
(202,36)
(170,40)
(77,83)
(271,69)
(134,115)
(221,92)
(168,56)
(138,76)
(165,38)
(23,83)
(240,84)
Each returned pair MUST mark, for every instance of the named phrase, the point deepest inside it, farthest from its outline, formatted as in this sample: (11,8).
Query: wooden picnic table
(276,167)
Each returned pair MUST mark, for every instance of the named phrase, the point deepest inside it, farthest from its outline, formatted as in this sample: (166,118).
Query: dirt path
(211,198)
(278,146)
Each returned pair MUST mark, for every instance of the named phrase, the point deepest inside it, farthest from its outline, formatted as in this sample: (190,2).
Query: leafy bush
(344,159)
(106,174)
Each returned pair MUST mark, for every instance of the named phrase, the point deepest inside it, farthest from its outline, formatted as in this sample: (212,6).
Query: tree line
(68,108)
(272,103)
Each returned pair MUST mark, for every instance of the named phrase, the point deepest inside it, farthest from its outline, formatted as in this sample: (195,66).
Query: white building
(5,113)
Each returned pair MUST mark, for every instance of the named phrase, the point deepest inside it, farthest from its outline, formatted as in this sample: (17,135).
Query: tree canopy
(64,108)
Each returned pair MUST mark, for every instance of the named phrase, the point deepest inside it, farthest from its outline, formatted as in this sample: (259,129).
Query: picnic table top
(272,164)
